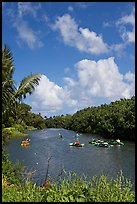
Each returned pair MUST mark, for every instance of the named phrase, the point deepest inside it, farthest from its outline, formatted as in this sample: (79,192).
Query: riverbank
(15,131)
(70,189)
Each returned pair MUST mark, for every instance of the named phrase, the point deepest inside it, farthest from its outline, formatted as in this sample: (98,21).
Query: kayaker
(77,143)
(118,140)
(99,140)
(60,135)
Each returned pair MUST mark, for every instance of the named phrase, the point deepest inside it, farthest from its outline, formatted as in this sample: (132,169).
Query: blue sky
(84,51)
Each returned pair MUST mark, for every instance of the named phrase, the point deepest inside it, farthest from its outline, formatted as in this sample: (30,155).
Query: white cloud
(95,80)
(118,47)
(81,38)
(129,76)
(25,8)
(69,81)
(50,97)
(107,24)
(128,19)
(70,8)
(45,18)
(103,79)
(67,69)
(27,35)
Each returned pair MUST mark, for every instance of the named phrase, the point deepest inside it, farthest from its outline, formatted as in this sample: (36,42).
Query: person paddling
(118,141)
(77,143)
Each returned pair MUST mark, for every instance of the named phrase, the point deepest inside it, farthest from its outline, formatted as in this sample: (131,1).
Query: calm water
(89,159)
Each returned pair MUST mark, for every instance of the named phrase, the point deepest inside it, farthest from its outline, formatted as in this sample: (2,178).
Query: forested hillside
(116,119)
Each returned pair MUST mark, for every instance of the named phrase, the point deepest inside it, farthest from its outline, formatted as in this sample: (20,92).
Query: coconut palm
(10,94)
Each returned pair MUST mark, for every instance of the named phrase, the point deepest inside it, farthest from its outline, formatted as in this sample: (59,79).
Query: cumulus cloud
(129,76)
(50,97)
(81,38)
(122,22)
(49,94)
(96,80)
(70,81)
(103,79)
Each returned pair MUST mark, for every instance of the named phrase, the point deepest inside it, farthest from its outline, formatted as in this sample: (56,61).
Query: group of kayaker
(108,143)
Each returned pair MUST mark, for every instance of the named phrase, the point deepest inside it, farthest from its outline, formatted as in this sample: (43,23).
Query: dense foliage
(70,189)
(116,119)
(12,96)
(16,115)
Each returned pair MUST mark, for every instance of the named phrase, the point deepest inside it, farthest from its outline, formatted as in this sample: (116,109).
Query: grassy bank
(15,131)
(71,189)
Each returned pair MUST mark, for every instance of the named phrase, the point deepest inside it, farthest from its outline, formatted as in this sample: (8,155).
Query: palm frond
(7,63)
(27,85)
(8,87)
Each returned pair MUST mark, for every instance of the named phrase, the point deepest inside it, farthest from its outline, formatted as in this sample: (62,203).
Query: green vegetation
(72,188)
(16,116)
(116,119)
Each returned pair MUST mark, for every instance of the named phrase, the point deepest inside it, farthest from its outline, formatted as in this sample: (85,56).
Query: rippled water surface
(89,159)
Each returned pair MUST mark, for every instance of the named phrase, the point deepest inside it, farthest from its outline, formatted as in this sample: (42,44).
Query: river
(88,160)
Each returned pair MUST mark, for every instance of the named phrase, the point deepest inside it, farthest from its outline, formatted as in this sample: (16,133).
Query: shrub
(72,188)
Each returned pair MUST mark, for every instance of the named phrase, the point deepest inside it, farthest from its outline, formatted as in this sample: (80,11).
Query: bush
(72,188)
(28,193)
(96,189)
(8,170)
(19,127)
(8,133)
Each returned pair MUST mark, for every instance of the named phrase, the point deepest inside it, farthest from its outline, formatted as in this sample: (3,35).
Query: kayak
(25,144)
(105,143)
(113,142)
(76,145)
(102,145)
(92,142)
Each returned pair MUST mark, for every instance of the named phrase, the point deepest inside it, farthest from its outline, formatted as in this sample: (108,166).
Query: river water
(88,160)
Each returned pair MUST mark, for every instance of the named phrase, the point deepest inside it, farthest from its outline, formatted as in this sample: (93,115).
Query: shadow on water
(88,160)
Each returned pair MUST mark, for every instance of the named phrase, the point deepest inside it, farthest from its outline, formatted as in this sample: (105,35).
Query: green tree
(10,94)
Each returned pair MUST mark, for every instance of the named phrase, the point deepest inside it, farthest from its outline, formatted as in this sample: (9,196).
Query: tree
(10,94)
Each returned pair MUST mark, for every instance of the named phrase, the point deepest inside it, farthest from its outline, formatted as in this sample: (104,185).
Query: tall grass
(72,188)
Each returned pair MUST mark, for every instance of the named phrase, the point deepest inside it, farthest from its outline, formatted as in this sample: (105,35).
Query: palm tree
(10,94)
